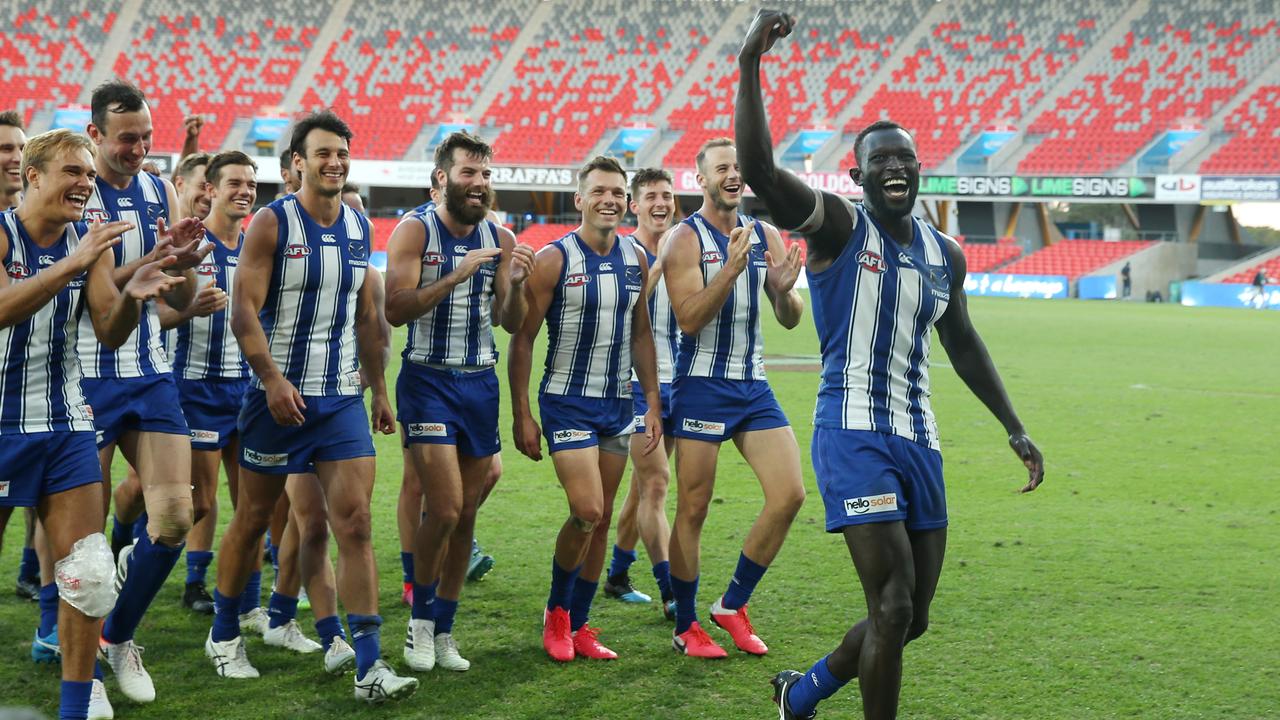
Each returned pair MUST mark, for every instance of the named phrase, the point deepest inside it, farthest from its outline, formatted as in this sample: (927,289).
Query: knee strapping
(583,526)
(169,519)
(86,576)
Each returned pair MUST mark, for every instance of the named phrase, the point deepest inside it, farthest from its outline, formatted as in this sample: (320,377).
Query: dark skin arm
(972,362)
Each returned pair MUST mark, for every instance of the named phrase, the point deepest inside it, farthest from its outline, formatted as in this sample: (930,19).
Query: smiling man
(881,282)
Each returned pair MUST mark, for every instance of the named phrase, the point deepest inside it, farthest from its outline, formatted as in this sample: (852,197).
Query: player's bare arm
(791,203)
(257,259)
(371,346)
(406,302)
(114,312)
(972,362)
(514,269)
(19,301)
(693,301)
(644,358)
(208,300)
(538,293)
(784,265)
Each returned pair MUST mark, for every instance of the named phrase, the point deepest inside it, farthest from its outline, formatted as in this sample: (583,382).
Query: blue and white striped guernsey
(874,308)
(666,331)
(589,320)
(310,309)
(206,347)
(39,372)
(459,331)
(730,346)
(141,204)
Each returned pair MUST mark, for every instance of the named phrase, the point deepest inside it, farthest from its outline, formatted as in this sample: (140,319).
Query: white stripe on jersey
(458,332)
(666,332)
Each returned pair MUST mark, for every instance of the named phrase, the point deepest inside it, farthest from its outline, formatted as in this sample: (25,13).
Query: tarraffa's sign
(1042,187)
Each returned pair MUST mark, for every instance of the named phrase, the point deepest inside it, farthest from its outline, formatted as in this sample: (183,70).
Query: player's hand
(150,281)
(1030,456)
(768,26)
(473,260)
(652,429)
(193,125)
(285,403)
(782,276)
(528,437)
(209,300)
(739,248)
(381,418)
(101,237)
(184,241)
(521,264)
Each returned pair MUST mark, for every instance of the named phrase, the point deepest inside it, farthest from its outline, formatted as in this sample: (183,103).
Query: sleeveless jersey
(459,331)
(589,320)
(310,308)
(666,332)
(39,372)
(730,346)
(874,308)
(141,204)
(205,347)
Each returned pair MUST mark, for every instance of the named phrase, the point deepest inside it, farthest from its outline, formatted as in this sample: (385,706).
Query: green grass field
(1139,581)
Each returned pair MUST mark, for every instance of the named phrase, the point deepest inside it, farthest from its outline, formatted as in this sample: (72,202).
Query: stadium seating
(806,81)
(399,66)
(1181,61)
(1270,267)
(223,66)
(48,49)
(1255,143)
(988,257)
(537,236)
(1074,258)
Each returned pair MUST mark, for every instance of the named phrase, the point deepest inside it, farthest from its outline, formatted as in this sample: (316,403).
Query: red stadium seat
(1073,258)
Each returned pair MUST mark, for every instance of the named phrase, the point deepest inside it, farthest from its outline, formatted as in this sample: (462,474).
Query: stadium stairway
(1243,271)
(117,42)
(312,64)
(1153,267)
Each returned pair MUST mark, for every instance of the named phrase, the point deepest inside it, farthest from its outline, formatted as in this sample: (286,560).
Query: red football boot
(695,642)
(587,645)
(738,625)
(556,639)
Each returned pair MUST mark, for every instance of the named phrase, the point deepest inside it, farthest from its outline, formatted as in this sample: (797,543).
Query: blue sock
(366,633)
(662,573)
(621,562)
(329,628)
(743,583)
(121,534)
(198,565)
(281,609)
(406,564)
(97,671)
(580,606)
(275,557)
(48,609)
(818,684)
(139,526)
(423,597)
(561,585)
(30,566)
(686,603)
(75,700)
(252,595)
(444,612)
(149,566)
(226,617)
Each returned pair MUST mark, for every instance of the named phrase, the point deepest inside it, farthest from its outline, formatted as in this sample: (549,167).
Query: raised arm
(406,301)
(19,301)
(514,269)
(972,362)
(694,301)
(538,293)
(115,312)
(784,267)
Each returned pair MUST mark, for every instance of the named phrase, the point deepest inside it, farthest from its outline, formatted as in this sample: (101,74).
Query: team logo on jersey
(712,256)
(871,504)
(154,212)
(577,280)
(205,436)
(124,202)
(294,252)
(357,249)
(45,260)
(871,261)
(97,215)
(206,269)
(18,271)
(266,459)
(703,427)
(568,436)
(428,430)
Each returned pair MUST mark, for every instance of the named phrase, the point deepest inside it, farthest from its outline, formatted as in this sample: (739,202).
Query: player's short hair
(188,165)
(45,146)
(710,145)
(350,188)
(286,157)
(470,143)
(11,118)
(600,162)
(435,184)
(645,176)
(114,97)
(322,120)
(213,173)
(873,127)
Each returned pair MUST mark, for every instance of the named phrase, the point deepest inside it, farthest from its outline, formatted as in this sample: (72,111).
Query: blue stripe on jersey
(874,309)
(142,204)
(39,370)
(458,332)
(206,347)
(309,313)
(589,320)
(730,345)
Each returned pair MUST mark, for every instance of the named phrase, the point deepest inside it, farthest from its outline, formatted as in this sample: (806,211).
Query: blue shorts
(212,407)
(572,422)
(145,404)
(867,477)
(334,427)
(444,407)
(715,409)
(38,465)
(642,407)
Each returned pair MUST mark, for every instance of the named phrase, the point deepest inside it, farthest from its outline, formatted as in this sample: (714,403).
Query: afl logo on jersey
(432,258)
(295,252)
(712,256)
(18,271)
(871,261)
(577,280)
(207,269)
(97,215)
